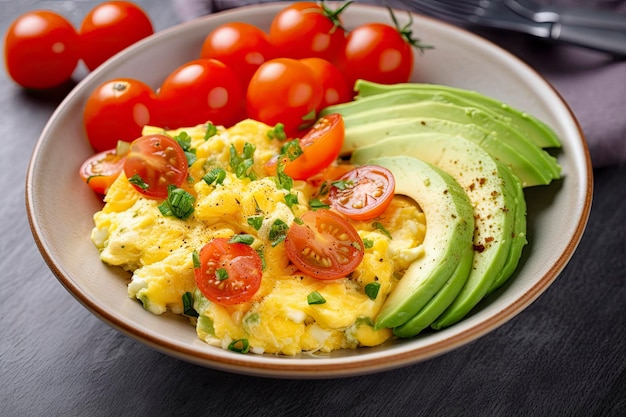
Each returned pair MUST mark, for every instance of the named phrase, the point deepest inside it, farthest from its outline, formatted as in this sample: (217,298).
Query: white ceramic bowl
(60,206)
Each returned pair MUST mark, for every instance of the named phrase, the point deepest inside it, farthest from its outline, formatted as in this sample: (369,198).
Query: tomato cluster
(42,48)
(304,63)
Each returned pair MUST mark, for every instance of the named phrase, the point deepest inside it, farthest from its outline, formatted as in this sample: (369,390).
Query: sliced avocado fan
(485,182)
(449,231)
(537,131)
(512,137)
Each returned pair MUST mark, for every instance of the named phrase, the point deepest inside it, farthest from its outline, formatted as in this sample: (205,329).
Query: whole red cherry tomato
(308,29)
(377,52)
(110,27)
(241,46)
(41,50)
(286,91)
(118,110)
(334,85)
(200,91)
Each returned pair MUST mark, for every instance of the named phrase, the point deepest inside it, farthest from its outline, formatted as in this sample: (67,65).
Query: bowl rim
(302,367)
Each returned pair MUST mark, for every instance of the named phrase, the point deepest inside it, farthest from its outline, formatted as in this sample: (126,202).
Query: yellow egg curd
(131,232)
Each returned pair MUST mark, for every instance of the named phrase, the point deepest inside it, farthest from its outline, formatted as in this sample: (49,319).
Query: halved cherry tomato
(307,29)
(363,193)
(153,163)
(334,85)
(229,273)
(200,91)
(324,245)
(320,146)
(100,170)
(118,110)
(377,52)
(286,91)
(41,50)
(241,46)
(110,27)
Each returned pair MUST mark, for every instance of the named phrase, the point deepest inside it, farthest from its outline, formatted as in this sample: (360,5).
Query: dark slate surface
(565,355)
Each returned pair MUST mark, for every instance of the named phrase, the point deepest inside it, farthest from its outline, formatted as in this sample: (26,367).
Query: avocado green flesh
(536,130)
(427,315)
(367,134)
(449,231)
(458,310)
(375,111)
(483,180)
(519,234)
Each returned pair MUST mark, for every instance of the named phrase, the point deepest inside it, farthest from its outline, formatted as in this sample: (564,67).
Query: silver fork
(496,14)
(568,14)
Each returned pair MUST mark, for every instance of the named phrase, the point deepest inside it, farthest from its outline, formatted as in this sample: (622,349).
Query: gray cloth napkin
(592,83)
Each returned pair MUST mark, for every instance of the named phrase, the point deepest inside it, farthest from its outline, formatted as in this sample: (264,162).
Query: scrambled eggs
(132,233)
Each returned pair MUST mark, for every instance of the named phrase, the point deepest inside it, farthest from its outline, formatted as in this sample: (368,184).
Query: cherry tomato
(334,85)
(153,163)
(118,110)
(363,193)
(324,245)
(229,273)
(241,46)
(110,27)
(199,91)
(102,169)
(377,52)
(41,50)
(308,29)
(320,146)
(286,91)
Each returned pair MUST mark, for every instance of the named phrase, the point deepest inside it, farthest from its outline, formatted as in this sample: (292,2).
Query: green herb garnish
(239,346)
(315,298)
(371,290)
(379,226)
(278,232)
(242,164)
(242,238)
(343,184)
(188,309)
(291,199)
(179,203)
(221,274)
(211,131)
(184,140)
(136,180)
(255,221)
(195,257)
(216,175)
(316,204)
(278,132)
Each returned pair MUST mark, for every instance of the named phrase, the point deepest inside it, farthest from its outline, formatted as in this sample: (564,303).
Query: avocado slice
(449,231)
(371,133)
(427,315)
(376,108)
(537,131)
(484,180)
(457,311)
(519,232)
